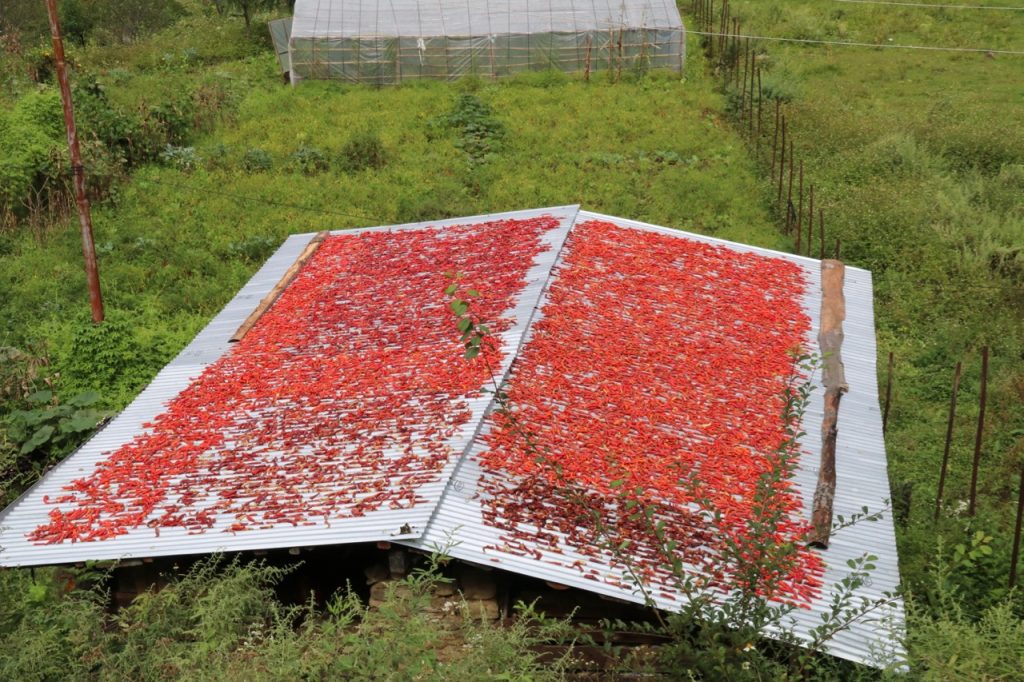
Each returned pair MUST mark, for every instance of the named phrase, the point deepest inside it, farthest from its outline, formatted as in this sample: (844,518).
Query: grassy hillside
(918,157)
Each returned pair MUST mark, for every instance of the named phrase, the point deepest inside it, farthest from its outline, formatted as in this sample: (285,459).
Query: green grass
(174,247)
(918,161)
(918,158)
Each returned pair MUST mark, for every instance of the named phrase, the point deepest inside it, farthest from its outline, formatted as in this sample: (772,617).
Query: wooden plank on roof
(279,288)
(830,341)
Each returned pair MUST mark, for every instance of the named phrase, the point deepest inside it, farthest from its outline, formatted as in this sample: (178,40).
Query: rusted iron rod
(810,221)
(800,210)
(821,232)
(92,271)
(972,504)
(949,441)
(888,392)
(789,191)
(760,115)
(1015,554)
(775,138)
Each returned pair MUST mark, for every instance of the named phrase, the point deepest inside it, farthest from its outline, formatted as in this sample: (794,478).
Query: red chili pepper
(656,357)
(359,358)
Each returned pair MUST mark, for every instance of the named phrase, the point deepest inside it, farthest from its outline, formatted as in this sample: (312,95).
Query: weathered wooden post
(833,376)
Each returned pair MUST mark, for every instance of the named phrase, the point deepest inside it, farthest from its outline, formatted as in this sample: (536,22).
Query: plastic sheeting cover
(386,42)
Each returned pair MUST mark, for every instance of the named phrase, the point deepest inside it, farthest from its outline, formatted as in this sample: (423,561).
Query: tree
(247,7)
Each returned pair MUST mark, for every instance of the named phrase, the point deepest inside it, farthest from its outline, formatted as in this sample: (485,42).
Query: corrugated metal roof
(29,511)
(454,518)
(459,524)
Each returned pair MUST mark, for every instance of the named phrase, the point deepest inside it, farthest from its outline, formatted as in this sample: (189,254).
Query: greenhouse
(384,42)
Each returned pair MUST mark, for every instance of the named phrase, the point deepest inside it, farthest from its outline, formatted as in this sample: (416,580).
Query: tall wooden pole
(972,504)
(85,220)
(949,441)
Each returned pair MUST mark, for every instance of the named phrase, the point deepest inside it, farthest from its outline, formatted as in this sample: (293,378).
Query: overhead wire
(850,43)
(369,222)
(364,220)
(933,6)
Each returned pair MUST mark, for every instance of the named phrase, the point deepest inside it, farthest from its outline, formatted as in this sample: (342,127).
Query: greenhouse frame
(385,42)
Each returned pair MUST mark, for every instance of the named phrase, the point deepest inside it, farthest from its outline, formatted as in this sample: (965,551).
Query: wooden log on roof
(830,341)
(281,285)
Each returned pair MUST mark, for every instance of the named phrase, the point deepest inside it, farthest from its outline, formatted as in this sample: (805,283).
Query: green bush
(480,133)
(256,160)
(38,431)
(362,151)
(308,161)
(946,643)
(222,620)
(110,358)
(32,148)
(185,159)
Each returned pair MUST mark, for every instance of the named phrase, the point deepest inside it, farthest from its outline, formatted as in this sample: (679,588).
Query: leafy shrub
(255,249)
(46,634)
(21,373)
(222,620)
(29,160)
(949,639)
(171,120)
(77,21)
(217,156)
(40,435)
(41,109)
(213,102)
(256,160)
(119,131)
(308,161)
(32,150)
(480,134)
(50,429)
(109,358)
(363,150)
(185,159)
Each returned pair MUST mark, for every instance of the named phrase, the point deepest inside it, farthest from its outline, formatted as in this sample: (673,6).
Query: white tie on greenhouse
(387,41)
